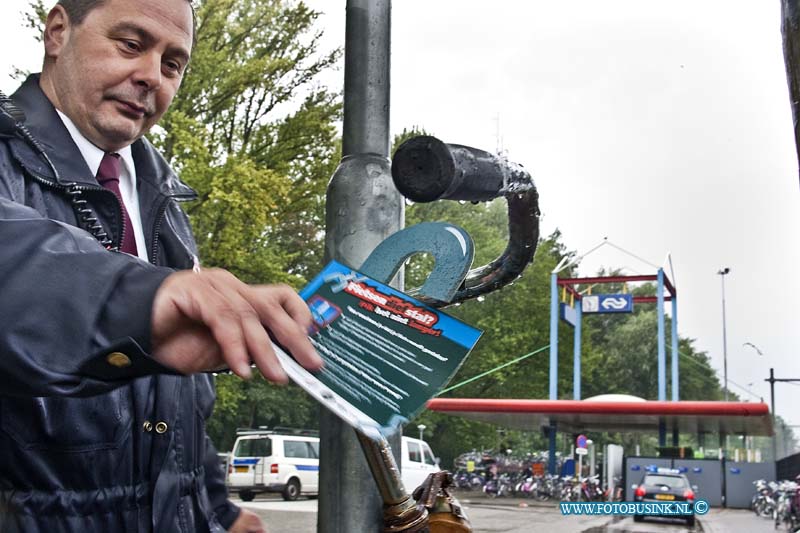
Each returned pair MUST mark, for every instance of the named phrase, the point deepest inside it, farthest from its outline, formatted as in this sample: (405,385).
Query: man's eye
(133,46)
(173,67)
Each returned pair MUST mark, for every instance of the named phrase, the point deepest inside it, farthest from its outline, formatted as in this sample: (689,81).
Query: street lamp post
(421,429)
(722,273)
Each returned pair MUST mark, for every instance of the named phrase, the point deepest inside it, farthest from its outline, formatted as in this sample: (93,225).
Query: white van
(287,461)
(274,461)
(417,462)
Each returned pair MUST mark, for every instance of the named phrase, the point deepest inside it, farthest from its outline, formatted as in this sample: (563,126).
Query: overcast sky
(664,126)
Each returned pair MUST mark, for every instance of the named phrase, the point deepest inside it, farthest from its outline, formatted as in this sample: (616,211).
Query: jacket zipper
(162,208)
(159,218)
(159,213)
(58,186)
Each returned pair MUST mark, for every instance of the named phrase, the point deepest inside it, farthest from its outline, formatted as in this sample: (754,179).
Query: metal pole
(362,209)
(576,380)
(551,450)
(662,349)
(772,407)
(722,273)
(551,434)
(554,336)
(772,379)
(675,353)
(791,53)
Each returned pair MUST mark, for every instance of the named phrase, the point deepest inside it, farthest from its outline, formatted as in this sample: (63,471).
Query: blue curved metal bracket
(451,247)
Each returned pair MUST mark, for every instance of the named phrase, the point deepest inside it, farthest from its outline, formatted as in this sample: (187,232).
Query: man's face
(115,74)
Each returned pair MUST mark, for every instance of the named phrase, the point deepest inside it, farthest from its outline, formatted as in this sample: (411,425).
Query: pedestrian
(108,327)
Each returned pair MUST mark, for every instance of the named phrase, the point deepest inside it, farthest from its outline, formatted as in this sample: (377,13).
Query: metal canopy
(739,418)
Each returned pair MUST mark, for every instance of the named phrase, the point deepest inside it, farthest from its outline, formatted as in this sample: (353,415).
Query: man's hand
(248,522)
(206,320)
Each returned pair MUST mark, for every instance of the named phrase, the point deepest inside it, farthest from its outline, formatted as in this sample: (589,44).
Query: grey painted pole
(662,344)
(722,273)
(772,407)
(790,28)
(362,209)
(675,371)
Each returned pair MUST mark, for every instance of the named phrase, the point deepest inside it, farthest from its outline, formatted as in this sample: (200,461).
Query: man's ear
(56,32)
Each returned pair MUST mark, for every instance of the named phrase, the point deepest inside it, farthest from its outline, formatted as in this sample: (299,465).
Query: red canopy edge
(484,405)
(613,416)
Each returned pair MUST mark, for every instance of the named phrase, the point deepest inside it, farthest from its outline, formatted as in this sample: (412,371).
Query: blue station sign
(607,303)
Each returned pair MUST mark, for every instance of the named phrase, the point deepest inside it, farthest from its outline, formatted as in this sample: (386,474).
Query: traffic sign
(568,314)
(581,451)
(580,442)
(607,303)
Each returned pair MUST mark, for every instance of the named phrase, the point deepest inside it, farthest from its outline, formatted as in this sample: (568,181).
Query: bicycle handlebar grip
(425,169)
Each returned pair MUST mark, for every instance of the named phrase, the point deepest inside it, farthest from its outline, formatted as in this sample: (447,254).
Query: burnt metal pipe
(426,169)
(790,27)
(400,513)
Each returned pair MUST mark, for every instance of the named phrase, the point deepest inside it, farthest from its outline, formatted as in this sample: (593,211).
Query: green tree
(254,132)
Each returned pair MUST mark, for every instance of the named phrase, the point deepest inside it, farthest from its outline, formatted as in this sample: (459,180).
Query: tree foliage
(254,133)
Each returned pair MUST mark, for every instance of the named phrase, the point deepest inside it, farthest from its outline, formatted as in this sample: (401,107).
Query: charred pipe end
(423,169)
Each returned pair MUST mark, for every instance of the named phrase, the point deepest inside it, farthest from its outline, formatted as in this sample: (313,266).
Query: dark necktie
(108,176)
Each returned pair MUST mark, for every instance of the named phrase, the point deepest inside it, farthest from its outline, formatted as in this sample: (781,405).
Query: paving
(512,515)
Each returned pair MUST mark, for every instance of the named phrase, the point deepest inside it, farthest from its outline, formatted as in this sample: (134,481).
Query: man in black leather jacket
(103,399)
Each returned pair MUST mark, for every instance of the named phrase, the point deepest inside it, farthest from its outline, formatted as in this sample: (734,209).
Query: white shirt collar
(127,180)
(91,153)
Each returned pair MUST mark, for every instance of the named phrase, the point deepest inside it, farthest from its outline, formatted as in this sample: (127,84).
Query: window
(673,482)
(260,447)
(429,460)
(297,449)
(314,449)
(414,453)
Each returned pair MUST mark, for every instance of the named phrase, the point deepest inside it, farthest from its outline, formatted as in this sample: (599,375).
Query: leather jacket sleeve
(74,318)
(226,511)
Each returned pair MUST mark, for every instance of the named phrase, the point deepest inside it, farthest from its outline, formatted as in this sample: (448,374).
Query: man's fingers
(287,317)
(235,316)
(296,308)
(261,351)
(196,298)
(257,340)
(225,324)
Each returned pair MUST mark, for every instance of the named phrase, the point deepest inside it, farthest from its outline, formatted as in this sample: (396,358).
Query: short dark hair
(78,9)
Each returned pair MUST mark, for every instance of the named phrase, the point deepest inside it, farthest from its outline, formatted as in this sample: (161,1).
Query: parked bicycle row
(540,487)
(778,501)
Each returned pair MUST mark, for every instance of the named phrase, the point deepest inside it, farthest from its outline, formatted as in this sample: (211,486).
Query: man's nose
(148,73)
